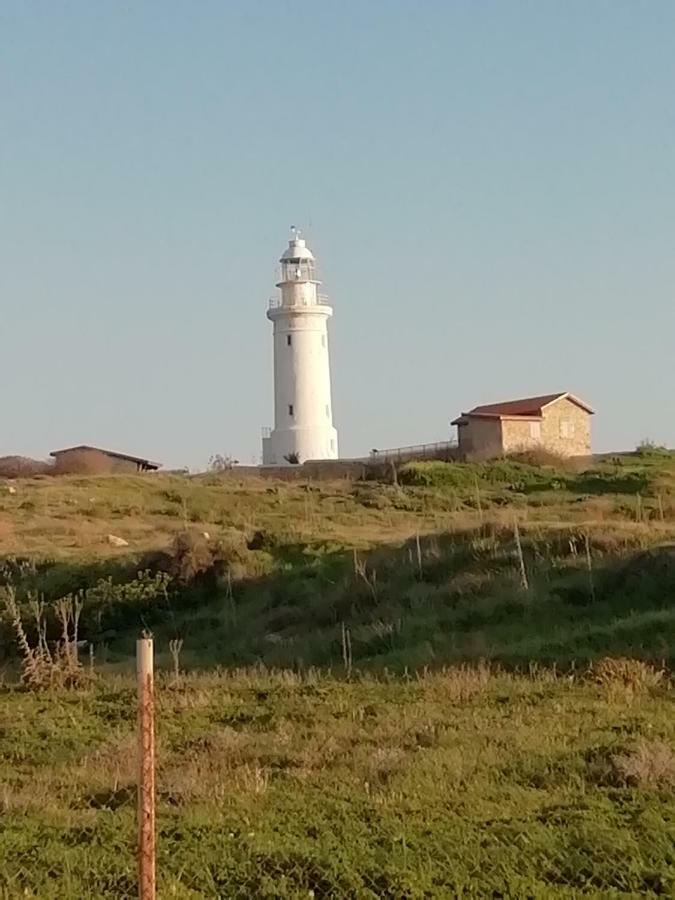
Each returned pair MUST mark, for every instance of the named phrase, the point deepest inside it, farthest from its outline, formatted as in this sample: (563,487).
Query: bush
(650,764)
(540,457)
(437,474)
(626,677)
(44,666)
(22,467)
(193,557)
(221,463)
(648,448)
(500,473)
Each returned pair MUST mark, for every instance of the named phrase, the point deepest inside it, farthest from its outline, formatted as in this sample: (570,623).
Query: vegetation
(453,684)
(456,563)
(462,782)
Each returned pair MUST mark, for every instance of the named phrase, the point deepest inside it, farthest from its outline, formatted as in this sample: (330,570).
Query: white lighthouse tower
(303,412)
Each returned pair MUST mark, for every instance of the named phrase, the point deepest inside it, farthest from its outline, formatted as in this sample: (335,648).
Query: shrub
(220,463)
(601,482)
(44,666)
(649,764)
(193,557)
(437,474)
(647,447)
(627,677)
(498,473)
(540,457)
(22,467)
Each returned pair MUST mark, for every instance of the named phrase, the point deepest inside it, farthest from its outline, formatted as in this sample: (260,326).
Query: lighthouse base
(298,445)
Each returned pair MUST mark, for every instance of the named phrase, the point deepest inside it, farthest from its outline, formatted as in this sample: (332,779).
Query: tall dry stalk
(369,578)
(68,611)
(347,657)
(418,546)
(40,666)
(479,505)
(589,566)
(12,608)
(175,647)
(521,559)
(229,596)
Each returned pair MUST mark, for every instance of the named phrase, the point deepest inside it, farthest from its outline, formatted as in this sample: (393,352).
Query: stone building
(85,460)
(558,423)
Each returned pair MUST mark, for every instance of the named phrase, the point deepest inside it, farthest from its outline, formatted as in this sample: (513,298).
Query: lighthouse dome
(297,249)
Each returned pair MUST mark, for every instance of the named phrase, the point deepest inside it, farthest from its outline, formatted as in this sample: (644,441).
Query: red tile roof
(527,407)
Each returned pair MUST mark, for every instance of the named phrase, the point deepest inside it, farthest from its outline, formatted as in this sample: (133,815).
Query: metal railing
(438,450)
(276,302)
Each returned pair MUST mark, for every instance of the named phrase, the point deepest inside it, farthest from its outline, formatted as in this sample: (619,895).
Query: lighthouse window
(327,411)
(290,409)
(323,340)
(289,340)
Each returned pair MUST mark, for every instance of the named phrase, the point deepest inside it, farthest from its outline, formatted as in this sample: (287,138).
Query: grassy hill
(384,690)
(504,561)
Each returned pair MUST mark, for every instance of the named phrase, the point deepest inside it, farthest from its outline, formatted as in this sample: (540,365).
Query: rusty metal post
(146,769)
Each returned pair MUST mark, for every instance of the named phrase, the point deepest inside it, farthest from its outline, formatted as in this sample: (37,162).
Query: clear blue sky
(490,189)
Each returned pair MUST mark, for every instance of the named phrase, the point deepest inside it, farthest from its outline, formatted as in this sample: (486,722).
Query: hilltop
(505,560)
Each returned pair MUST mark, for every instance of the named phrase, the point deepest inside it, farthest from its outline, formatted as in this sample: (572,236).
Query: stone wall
(565,429)
(521,434)
(480,438)
(573,439)
(321,470)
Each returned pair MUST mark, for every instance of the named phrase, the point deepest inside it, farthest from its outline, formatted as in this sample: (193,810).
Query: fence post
(146,769)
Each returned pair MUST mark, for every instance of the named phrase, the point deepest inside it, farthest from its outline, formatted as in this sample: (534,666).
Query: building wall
(565,429)
(521,435)
(321,470)
(558,437)
(92,462)
(480,438)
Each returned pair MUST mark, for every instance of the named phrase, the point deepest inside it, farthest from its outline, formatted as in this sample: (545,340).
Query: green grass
(458,783)
(343,757)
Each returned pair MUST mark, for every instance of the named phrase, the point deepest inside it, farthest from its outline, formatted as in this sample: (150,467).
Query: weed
(649,764)
(628,678)
(43,666)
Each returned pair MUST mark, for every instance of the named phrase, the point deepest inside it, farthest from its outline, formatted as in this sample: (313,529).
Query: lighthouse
(303,411)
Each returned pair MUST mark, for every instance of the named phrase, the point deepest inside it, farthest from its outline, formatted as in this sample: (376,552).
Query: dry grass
(627,679)
(43,665)
(543,457)
(457,683)
(71,516)
(650,764)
